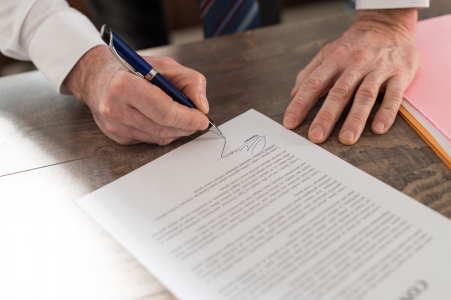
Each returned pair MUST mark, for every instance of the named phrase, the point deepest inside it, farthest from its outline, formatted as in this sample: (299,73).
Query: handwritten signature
(255,145)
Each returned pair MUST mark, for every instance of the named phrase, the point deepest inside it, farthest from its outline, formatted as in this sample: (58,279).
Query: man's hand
(377,53)
(131,110)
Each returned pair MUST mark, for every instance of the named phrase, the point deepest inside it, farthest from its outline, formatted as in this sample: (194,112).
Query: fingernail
(204,102)
(290,120)
(379,127)
(347,135)
(317,133)
(203,125)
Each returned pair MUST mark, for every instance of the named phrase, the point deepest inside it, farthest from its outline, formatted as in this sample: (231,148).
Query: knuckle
(397,94)
(105,109)
(298,104)
(383,61)
(367,94)
(326,116)
(358,118)
(312,84)
(118,84)
(360,55)
(112,129)
(168,118)
(340,50)
(391,110)
(201,79)
(340,92)
(402,71)
(164,132)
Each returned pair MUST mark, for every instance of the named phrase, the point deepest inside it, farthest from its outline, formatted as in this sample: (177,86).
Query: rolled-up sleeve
(386,4)
(47,32)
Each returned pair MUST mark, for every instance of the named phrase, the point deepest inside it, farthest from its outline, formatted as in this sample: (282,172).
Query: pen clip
(113,50)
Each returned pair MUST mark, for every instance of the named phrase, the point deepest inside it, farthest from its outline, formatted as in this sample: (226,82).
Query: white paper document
(266,214)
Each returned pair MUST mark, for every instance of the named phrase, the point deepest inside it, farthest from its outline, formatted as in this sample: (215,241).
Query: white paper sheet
(267,214)
(443,141)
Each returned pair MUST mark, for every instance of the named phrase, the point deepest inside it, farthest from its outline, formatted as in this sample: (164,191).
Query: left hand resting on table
(376,54)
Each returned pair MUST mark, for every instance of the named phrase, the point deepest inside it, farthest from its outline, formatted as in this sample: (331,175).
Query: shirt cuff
(387,4)
(58,44)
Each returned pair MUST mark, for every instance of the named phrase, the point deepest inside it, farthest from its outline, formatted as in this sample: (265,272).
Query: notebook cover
(430,91)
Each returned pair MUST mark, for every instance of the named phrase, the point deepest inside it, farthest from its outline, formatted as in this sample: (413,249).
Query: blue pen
(138,66)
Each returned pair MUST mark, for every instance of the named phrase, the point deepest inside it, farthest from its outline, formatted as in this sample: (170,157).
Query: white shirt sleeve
(386,4)
(47,32)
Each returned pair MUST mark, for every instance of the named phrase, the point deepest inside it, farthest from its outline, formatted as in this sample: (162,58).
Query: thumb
(195,89)
(191,83)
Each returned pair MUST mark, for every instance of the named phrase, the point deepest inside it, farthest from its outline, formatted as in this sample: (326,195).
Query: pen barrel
(127,53)
(171,91)
(141,66)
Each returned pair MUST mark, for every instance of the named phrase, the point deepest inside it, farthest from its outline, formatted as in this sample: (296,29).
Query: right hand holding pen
(129,109)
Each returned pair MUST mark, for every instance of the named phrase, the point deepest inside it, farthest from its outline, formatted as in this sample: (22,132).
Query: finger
(127,135)
(142,136)
(304,73)
(102,125)
(310,90)
(132,117)
(153,103)
(386,114)
(361,108)
(337,99)
(191,83)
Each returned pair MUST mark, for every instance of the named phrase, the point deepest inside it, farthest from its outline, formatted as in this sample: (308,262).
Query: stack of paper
(427,102)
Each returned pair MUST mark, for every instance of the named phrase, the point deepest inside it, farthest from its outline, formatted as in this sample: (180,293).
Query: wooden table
(52,154)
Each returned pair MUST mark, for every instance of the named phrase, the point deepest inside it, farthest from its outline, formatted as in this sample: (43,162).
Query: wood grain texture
(52,154)
(41,128)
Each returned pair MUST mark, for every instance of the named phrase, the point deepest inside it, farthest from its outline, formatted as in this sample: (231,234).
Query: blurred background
(151,23)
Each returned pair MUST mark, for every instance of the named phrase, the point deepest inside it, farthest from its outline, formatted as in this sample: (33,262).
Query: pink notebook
(430,91)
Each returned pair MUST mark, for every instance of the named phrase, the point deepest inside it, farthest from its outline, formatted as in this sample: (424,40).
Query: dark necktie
(221,17)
